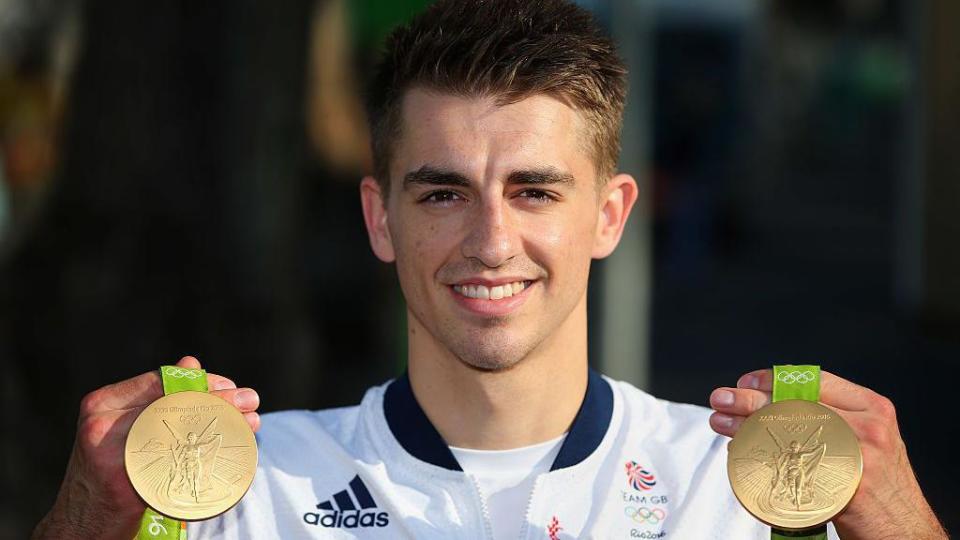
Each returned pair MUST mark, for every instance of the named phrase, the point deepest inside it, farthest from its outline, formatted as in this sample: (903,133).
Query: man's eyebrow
(545,175)
(435,177)
(438,177)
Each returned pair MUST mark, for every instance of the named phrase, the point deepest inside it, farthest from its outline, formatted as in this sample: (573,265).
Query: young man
(496,133)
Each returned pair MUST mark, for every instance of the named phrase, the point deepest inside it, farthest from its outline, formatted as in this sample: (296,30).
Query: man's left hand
(889,502)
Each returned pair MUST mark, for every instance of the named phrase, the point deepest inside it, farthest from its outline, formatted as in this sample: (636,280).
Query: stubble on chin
(489,351)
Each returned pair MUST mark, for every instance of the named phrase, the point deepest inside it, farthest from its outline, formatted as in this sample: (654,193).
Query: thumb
(189,362)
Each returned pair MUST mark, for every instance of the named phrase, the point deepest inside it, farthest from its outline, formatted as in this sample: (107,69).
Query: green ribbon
(797,382)
(156,526)
(178,379)
(153,524)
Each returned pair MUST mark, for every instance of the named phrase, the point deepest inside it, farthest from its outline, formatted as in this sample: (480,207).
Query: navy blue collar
(417,435)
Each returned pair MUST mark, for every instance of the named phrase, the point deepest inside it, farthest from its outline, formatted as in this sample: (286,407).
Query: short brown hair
(509,50)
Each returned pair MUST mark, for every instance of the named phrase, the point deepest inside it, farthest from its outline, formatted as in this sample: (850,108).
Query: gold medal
(191,455)
(794,464)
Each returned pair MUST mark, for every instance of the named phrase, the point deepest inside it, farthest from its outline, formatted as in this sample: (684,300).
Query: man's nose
(491,238)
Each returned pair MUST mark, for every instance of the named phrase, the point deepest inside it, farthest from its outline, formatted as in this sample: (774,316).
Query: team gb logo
(638,477)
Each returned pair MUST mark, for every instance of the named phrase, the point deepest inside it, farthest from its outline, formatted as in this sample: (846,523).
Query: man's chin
(490,357)
(489,365)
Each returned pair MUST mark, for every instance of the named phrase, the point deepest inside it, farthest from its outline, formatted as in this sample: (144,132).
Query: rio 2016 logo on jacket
(343,513)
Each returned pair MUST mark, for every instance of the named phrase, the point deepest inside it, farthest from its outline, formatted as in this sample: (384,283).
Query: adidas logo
(351,508)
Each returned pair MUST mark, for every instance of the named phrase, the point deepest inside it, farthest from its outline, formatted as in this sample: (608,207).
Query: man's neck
(534,401)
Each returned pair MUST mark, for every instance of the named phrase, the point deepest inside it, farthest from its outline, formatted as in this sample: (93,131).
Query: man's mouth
(496,292)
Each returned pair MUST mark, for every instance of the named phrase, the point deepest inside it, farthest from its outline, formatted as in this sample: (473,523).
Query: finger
(189,362)
(219,382)
(253,420)
(214,381)
(843,394)
(135,392)
(834,390)
(131,393)
(726,424)
(738,401)
(244,399)
(761,379)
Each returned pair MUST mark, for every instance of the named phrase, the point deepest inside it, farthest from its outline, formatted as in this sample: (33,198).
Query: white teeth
(491,293)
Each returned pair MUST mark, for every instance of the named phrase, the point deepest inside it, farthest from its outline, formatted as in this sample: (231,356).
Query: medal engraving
(794,464)
(191,455)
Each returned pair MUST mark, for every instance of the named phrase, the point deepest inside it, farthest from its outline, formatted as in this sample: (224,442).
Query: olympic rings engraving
(181,373)
(797,427)
(642,514)
(794,377)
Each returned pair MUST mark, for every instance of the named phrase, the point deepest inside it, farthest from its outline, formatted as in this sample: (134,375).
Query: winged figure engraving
(792,478)
(193,458)
(191,469)
(795,474)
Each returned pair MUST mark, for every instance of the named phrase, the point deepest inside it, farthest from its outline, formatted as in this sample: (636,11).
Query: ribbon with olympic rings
(178,379)
(793,377)
(154,525)
(179,372)
(796,382)
(642,514)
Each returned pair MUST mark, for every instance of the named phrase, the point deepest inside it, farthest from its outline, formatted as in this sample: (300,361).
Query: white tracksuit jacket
(632,466)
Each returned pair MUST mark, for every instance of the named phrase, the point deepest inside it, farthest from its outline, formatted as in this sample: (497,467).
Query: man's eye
(441,197)
(537,196)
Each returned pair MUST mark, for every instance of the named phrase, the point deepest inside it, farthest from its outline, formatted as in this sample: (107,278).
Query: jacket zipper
(525,527)
(484,513)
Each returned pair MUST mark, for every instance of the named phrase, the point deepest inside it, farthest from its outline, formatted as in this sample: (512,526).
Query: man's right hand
(96,499)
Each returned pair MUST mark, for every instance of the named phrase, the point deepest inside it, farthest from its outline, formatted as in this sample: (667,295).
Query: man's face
(492,219)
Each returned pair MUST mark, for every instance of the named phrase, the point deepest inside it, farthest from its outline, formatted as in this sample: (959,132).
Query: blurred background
(181,178)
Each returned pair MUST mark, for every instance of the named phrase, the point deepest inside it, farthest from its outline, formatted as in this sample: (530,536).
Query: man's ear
(375,217)
(616,201)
